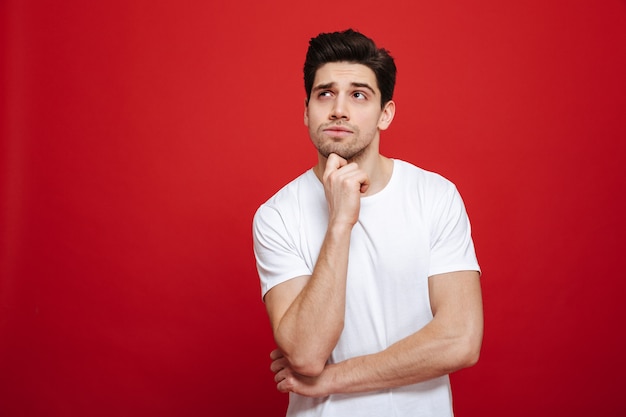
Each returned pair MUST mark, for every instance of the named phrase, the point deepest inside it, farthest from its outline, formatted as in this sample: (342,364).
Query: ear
(387,115)
(306,112)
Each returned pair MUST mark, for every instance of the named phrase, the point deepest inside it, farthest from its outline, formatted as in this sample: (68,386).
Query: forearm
(427,354)
(311,326)
(449,342)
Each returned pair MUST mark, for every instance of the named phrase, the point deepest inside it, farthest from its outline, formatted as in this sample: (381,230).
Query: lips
(337,130)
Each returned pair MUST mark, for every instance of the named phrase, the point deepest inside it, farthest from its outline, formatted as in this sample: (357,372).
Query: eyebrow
(353,84)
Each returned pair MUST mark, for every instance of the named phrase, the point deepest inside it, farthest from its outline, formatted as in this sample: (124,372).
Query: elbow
(309,371)
(307,366)
(302,361)
(471,358)
(307,359)
(469,352)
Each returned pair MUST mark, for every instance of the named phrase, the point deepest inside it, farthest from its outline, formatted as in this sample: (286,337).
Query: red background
(138,138)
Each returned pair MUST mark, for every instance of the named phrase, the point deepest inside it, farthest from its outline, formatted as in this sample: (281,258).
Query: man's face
(344,114)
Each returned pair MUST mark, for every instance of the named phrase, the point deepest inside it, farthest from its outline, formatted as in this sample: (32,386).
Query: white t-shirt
(414,228)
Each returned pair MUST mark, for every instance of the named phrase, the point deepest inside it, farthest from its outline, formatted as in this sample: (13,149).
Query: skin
(344,118)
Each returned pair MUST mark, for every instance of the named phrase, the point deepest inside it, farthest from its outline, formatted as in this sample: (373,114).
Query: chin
(348,156)
(346,153)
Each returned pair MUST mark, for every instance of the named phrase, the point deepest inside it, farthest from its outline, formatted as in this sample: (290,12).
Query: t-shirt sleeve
(277,258)
(452,247)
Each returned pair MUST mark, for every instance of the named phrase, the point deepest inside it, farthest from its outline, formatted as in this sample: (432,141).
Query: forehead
(345,73)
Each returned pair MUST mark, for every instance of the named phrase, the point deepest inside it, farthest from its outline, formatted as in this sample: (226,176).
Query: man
(367,265)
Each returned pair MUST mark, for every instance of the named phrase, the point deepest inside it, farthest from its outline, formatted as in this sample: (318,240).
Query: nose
(339,109)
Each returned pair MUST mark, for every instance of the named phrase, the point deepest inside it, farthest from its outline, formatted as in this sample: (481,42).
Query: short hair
(354,47)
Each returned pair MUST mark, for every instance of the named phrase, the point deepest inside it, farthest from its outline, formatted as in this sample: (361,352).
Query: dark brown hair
(354,47)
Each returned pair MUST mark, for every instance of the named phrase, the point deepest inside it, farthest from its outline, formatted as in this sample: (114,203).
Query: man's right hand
(344,184)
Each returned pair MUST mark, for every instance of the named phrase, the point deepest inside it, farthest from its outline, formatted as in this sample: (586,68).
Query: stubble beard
(348,148)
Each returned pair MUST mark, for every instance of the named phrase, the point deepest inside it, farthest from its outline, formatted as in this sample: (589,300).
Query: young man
(367,265)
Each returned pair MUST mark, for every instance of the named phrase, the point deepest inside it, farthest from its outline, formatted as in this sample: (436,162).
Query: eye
(359,95)
(325,94)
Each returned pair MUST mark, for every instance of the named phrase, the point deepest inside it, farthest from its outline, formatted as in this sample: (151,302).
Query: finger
(280,375)
(284,385)
(281,387)
(333,163)
(278,364)
(357,175)
(365,184)
(275,354)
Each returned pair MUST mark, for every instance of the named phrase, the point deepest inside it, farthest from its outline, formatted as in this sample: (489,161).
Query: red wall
(139,137)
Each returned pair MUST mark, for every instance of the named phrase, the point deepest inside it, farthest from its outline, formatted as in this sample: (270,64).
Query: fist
(344,184)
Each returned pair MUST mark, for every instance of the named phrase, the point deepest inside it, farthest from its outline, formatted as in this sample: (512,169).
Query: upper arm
(280,297)
(456,303)
(277,256)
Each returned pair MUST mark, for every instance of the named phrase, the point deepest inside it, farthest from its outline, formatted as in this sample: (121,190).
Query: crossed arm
(451,341)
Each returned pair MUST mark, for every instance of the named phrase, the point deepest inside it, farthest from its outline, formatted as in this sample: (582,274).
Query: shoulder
(290,197)
(426,181)
(292,192)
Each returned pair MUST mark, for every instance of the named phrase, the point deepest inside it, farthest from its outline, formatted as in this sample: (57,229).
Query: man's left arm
(449,342)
